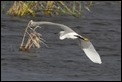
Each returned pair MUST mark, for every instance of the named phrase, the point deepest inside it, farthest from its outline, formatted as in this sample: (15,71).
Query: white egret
(68,33)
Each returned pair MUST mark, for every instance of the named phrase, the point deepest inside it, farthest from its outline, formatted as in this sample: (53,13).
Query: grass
(20,8)
(49,8)
(74,8)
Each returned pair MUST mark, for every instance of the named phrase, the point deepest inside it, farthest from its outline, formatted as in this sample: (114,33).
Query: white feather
(70,35)
(90,51)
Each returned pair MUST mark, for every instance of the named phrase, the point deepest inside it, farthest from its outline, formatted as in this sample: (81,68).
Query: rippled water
(64,60)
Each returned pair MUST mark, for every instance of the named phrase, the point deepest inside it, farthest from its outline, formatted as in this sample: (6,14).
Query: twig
(24,36)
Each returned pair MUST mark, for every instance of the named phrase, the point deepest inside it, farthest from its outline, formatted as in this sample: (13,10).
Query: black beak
(83,38)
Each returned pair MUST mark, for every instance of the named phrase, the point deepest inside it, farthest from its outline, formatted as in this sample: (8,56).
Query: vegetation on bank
(24,8)
(50,8)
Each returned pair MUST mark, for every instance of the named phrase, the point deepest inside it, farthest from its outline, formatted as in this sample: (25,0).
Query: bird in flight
(68,33)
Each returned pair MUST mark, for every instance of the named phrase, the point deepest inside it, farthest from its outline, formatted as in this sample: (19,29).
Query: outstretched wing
(90,51)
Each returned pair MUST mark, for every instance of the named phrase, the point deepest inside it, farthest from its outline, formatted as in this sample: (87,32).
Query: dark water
(64,60)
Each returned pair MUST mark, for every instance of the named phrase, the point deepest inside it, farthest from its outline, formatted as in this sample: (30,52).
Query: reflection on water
(64,60)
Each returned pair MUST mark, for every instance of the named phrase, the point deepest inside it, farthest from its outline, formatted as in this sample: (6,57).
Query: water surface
(64,60)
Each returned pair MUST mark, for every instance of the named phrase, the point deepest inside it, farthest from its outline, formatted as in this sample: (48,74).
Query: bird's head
(32,24)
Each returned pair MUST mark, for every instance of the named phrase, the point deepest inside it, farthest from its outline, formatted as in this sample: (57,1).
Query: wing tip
(99,62)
